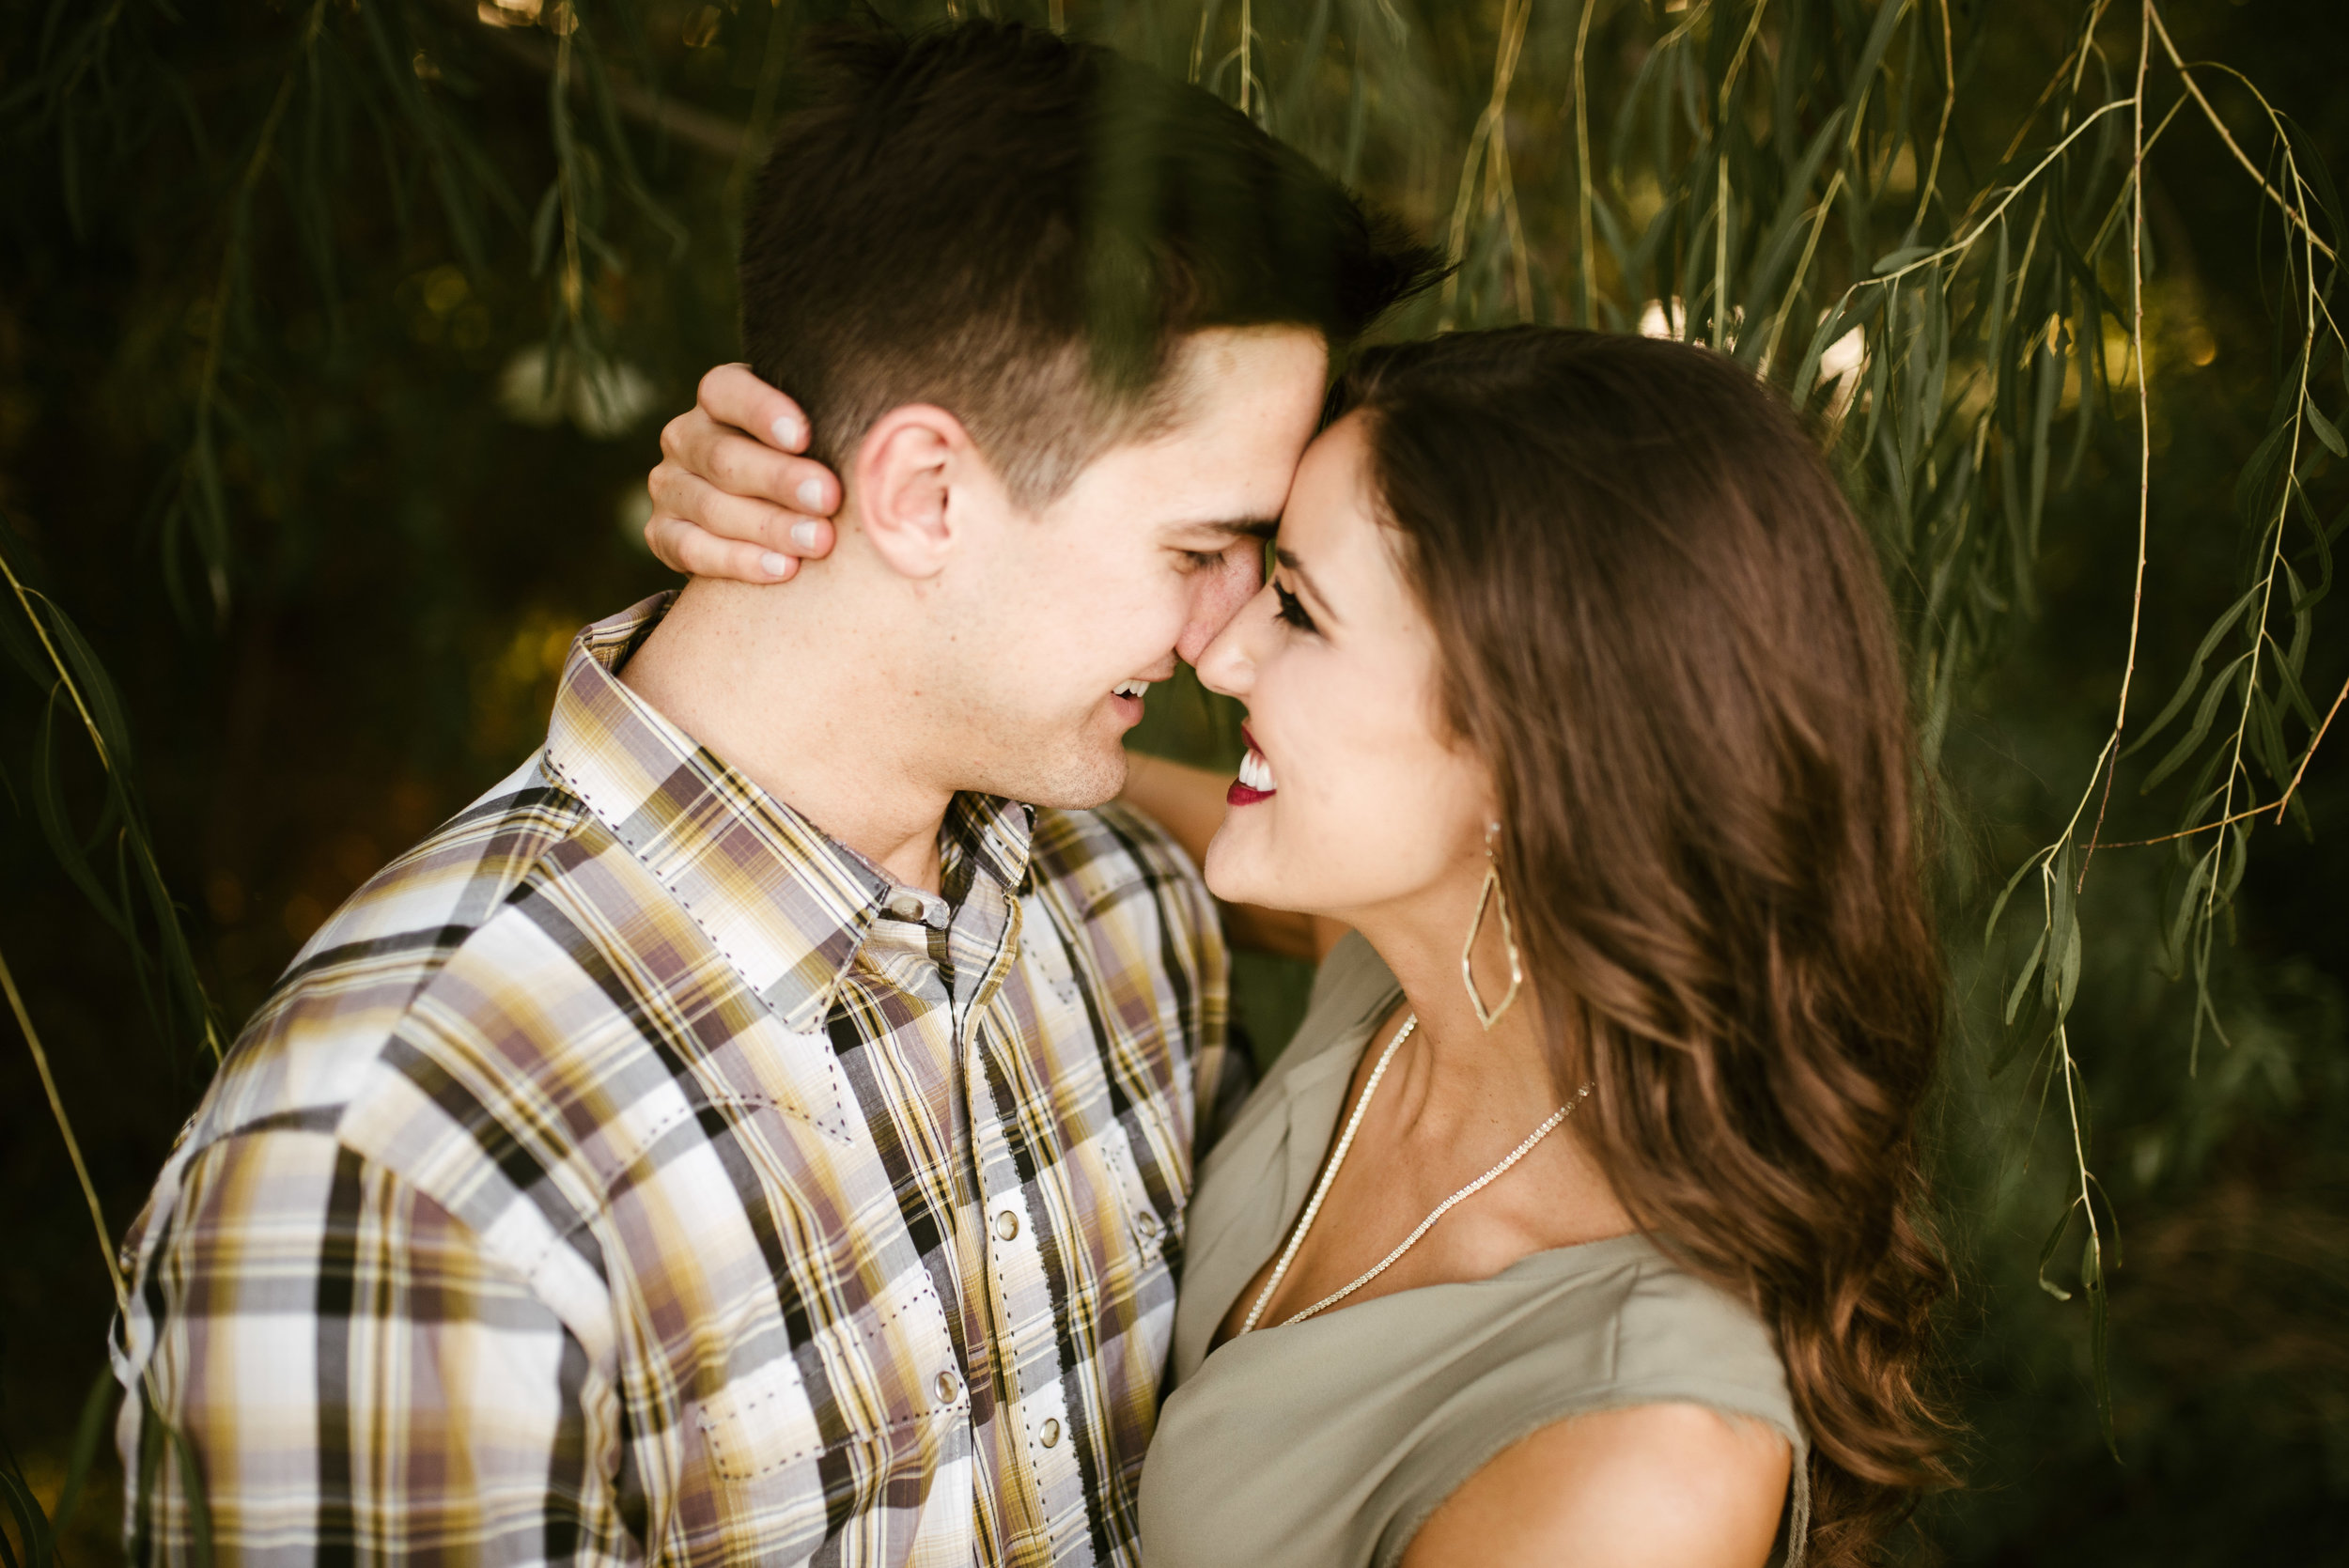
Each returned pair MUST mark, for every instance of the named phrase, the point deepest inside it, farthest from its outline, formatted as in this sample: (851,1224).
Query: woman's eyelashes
(1292,609)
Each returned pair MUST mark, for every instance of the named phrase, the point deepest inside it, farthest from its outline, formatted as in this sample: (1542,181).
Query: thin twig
(1949,105)
(696,128)
(2260,639)
(1490,133)
(24,598)
(1720,254)
(72,1144)
(1586,307)
(1738,61)
(2187,832)
(240,215)
(1966,243)
(2144,436)
(2227,136)
(1802,270)
(1246,35)
(2022,130)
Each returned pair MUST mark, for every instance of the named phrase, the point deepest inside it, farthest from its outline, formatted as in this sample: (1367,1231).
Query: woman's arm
(1188,803)
(1653,1487)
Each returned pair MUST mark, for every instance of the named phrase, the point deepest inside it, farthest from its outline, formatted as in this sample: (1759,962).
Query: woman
(1578,1221)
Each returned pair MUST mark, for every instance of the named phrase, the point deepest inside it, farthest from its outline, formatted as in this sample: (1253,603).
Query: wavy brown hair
(1664,631)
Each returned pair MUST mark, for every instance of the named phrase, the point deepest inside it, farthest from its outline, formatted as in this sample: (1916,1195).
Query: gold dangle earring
(1489,893)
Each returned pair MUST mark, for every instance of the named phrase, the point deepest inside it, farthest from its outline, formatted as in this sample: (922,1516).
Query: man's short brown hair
(1021,229)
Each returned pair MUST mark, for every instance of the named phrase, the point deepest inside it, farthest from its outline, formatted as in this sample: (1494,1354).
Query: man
(754,1130)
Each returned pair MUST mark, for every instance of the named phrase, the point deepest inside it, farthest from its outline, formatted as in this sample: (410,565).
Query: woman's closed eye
(1291,611)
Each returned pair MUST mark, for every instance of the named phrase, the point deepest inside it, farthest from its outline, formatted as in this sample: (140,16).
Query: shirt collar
(785,904)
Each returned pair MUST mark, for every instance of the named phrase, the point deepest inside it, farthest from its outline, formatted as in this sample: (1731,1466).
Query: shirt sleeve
(343,1373)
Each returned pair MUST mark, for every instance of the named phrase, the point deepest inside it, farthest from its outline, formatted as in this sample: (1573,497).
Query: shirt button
(1148,1225)
(949,1386)
(1006,1225)
(906,906)
(1050,1432)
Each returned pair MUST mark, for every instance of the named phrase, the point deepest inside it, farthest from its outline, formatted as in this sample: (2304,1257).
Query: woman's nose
(1228,664)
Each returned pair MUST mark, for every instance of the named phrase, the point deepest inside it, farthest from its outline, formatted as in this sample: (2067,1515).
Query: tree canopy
(334,335)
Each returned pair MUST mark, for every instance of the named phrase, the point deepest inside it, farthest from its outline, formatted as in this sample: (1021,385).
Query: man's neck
(798,700)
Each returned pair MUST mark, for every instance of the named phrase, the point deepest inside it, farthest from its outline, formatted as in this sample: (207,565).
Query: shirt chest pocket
(860,1432)
(1118,1163)
(878,1385)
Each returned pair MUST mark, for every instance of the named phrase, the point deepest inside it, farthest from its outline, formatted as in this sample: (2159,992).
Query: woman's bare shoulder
(1651,1485)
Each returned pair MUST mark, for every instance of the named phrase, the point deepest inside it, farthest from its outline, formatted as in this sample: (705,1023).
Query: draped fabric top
(1328,1443)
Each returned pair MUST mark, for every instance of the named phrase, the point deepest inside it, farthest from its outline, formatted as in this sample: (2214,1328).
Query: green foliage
(330,315)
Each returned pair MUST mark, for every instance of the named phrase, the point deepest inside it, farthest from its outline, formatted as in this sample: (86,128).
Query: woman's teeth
(1132,688)
(1255,772)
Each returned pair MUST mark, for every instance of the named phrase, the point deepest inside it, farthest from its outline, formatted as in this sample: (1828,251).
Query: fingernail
(803,535)
(774,564)
(811,493)
(788,431)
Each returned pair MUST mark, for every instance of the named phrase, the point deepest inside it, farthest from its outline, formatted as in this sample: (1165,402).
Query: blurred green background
(334,340)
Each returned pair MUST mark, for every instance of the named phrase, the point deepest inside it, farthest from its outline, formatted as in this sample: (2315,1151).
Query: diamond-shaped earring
(1491,892)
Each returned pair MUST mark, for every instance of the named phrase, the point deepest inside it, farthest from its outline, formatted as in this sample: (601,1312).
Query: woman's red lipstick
(1255,783)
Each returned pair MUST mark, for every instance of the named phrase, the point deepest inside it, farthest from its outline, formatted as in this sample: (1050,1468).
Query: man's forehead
(1217,371)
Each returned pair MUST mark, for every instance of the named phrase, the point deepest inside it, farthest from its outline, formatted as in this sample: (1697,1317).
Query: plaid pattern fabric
(631,1172)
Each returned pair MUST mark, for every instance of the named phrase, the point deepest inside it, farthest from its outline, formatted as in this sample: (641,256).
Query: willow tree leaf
(2193,671)
(2288,663)
(1998,906)
(2189,903)
(2099,1332)
(88,1434)
(1879,39)
(1808,371)
(2068,972)
(2022,978)
(2048,1250)
(32,1524)
(2325,430)
(2201,727)
(1785,234)
(199,1504)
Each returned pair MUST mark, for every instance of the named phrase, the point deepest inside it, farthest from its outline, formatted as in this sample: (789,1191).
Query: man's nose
(1217,598)
(1226,664)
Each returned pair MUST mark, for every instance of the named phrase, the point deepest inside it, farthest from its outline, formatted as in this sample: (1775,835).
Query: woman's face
(1354,795)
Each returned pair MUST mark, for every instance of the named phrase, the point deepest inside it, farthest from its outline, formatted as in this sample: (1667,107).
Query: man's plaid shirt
(631,1172)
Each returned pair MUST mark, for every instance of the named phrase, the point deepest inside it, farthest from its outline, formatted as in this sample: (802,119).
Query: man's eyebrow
(1241,528)
(1287,558)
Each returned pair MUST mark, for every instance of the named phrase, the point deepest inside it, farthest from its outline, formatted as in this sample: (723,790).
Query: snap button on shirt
(1006,1225)
(1050,1432)
(949,1386)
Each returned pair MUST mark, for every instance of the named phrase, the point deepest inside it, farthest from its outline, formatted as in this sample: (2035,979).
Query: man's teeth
(1132,688)
(1255,772)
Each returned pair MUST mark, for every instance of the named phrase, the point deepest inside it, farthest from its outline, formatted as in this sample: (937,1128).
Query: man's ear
(908,468)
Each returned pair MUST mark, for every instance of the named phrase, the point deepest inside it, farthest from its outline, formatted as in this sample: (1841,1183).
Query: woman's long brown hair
(1664,631)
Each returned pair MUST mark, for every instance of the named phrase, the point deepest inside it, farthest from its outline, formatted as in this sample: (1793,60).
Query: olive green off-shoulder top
(1328,1443)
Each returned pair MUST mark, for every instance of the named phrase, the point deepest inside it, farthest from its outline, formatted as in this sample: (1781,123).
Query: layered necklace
(1337,1158)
